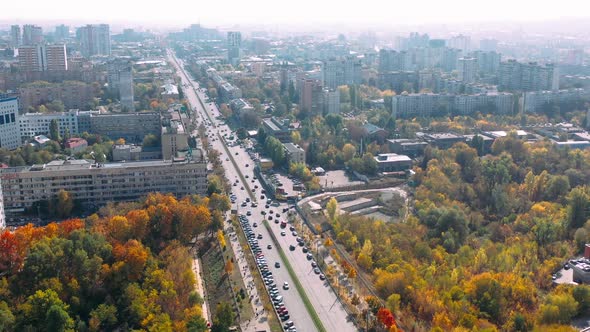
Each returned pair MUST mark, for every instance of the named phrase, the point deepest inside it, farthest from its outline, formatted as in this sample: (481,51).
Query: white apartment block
(94,185)
(9,129)
(32,124)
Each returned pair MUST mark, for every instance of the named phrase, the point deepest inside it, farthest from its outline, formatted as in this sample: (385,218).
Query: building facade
(94,184)
(73,94)
(32,34)
(94,40)
(132,127)
(43,57)
(9,123)
(516,76)
(16,37)
(467,69)
(337,72)
(294,153)
(234,44)
(32,124)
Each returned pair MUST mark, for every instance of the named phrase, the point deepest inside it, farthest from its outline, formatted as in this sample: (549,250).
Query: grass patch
(310,309)
(246,311)
(215,280)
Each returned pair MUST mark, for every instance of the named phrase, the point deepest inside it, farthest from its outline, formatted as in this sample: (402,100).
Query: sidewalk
(200,288)
(260,320)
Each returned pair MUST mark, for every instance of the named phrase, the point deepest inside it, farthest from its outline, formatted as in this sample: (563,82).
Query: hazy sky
(223,12)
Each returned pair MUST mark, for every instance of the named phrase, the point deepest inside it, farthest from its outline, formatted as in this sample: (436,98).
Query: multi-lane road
(322,298)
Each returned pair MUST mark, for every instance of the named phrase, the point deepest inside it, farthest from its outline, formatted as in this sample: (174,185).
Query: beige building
(43,57)
(294,153)
(94,184)
(174,139)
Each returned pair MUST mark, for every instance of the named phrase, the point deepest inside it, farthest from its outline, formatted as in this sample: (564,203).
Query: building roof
(65,165)
(391,157)
(75,142)
(371,128)
(292,148)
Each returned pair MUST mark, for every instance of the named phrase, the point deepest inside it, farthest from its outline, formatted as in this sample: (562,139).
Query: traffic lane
(325,301)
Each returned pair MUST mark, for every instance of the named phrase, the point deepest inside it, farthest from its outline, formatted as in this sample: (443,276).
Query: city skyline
(263,12)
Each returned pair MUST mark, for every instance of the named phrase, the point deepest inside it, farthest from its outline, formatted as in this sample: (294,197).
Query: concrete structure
(331,101)
(427,104)
(278,128)
(538,101)
(76,144)
(126,152)
(407,146)
(234,43)
(62,32)
(467,69)
(9,123)
(43,57)
(32,34)
(294,153)
(337,72)
(32,124)
(120,80)
(392,162)
(441,140)
(311,93)
(94,40)
(94,184)
(170,90)
(530,76)
(2,215)
(174,138)
(487,62)
(73,94)
(16,37)
(133,127)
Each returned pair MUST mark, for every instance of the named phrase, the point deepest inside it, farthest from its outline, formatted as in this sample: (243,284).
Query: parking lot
(335,179)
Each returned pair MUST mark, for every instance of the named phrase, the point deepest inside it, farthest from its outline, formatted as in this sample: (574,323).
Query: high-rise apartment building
(488,45)
(94,39)
(120,79)
(62,32)
(311,94)
(9,128)
(460,42)
(234,43)
(16,37)
(32,34)
(467,69)
(530,76)
(346,71)
(42,57)
(488,62)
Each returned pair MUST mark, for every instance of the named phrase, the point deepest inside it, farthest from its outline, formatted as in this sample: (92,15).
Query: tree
(65,204)
(197,324)
(348,152)
(6,317)
(229,267)
(54,130)
(224,317)
(577,210)
(365,257)
(150,141)
(58,320)
(331,209)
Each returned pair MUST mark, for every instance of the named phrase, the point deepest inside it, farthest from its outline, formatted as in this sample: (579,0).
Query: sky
(297,12)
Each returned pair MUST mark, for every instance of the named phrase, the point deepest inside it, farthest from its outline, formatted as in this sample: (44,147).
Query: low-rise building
(393,162)
(442,140)
(76,144)
(407,146)
(279,128)
(294,153)
(94,184)
(133,127)
(32,124)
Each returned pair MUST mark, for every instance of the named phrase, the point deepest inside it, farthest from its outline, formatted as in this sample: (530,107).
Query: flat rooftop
(391,157)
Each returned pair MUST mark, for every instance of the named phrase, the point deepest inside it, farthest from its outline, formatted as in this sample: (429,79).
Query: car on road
(305,250)
(286,286)
(277,265)
(283,233)
(309,256)
(269,246)
(259,236)
(269,217)
(249,213)
(263,213)
(317,270)
(291,228)
(322,277)
(291,247)
(236,153)
(314,264)
(254,224)
(294,233)
(226,159)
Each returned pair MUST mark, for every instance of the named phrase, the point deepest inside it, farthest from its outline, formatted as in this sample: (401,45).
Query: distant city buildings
(43,57)
(281,129)
(94,40)
(467,69)
(345,71)
(16,37)
(32,34)
(62,32)
(9,123)
(234,44)
(431,104)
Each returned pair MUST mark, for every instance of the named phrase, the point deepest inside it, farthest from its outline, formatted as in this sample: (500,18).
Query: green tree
(58,320)
(6,317)
(577,209)
(54,130)
(224,318)
(197,324)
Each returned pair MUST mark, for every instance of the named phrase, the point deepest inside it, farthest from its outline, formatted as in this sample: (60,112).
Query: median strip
(310,309)
(252,196)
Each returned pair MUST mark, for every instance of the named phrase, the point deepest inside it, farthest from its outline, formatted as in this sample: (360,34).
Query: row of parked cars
(266,273)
